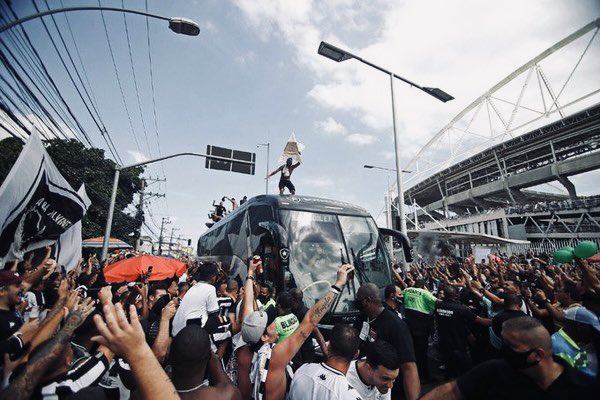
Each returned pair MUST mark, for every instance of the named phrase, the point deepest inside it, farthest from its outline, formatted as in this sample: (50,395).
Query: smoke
(430,247)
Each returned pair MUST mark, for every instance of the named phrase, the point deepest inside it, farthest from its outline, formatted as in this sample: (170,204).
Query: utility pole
(165,221)
(171,239)
(140,211)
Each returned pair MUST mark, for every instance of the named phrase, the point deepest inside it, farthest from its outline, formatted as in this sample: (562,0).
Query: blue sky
(253,75)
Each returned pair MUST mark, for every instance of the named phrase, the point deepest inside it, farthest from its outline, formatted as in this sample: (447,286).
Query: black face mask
(399,303)
(517,359)
(263,299)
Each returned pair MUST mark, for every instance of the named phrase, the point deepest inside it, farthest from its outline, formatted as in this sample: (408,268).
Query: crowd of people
(511,328)
(220,211)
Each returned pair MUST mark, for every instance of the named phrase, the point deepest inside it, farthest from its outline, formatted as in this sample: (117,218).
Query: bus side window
(237,234)
(258,214)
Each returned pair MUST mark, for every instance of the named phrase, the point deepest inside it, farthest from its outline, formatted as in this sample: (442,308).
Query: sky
(253,76)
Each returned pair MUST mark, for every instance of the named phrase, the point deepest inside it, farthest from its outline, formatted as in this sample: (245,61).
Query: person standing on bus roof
(286,173)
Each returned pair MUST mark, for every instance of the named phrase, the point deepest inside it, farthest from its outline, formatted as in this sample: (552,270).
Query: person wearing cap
(14,334)
(286,174)
(575,342)
(10,296)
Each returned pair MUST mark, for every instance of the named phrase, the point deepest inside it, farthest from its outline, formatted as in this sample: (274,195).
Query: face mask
(263,299)
(517,359)
(399,303)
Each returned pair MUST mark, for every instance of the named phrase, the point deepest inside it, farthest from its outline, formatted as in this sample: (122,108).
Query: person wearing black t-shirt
(511,309)
(453,319)
(377,322)
(10,287)
(527,371)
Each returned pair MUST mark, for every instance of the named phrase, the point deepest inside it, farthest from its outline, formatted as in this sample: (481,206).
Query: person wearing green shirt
(286,322)
(419,305)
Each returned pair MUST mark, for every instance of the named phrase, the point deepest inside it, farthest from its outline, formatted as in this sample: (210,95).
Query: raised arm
(23,386)
(247,306)
(284,352)
(127,339)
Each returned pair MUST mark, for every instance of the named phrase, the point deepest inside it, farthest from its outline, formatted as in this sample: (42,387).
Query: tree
(78,165)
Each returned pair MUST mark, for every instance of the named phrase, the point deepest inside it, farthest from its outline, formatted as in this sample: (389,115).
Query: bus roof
(299,203)
(308,203)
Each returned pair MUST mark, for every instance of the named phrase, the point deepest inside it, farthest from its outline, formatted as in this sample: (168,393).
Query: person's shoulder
(576,377)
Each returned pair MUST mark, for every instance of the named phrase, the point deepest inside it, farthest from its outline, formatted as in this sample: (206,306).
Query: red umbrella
(131,268)
(594,259)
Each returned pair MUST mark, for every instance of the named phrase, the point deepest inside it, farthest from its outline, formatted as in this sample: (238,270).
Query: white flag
(68,246)
(292,150)
(37,204)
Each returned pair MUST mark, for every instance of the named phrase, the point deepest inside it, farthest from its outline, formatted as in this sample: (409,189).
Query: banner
(292,149)
(69,245)
(37,204)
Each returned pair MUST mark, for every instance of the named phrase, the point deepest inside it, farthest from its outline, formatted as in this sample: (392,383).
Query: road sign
(231,166)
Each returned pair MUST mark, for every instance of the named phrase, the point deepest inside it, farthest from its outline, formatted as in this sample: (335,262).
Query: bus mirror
(404,241)
(276,231)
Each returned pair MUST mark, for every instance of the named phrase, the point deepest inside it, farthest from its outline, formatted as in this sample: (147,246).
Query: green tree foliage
(78,165)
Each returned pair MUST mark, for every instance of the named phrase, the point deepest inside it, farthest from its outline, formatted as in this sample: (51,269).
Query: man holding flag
(291,152)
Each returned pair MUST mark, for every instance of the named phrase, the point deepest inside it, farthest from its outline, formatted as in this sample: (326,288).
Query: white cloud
(318,183)
(244,59)
(331,127)
(458,50)
(361,139)
(208,26)
(137,156)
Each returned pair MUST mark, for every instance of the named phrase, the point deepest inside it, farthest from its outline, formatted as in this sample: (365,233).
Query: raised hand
(79,314)
(169,310)
(342,274)
(105,295)
(118,334)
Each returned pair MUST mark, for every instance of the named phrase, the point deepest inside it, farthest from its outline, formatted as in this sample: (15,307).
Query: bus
(302,241)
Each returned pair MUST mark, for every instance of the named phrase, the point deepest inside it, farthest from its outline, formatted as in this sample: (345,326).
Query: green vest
(420,300)
(286,325)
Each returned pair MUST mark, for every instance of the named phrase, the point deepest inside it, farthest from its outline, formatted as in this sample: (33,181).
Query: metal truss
(558,82)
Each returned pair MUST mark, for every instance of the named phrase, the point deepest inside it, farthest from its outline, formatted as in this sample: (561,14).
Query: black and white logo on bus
(284,254)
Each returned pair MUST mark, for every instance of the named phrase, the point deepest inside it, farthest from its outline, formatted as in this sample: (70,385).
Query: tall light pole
(388,200)
(339,55)
(119,168)
(180,25)
(268,146)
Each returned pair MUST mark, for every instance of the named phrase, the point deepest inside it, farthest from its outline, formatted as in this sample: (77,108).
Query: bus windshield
(318,242)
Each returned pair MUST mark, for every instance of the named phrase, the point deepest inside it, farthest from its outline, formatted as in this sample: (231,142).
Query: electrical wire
(114,153)
(112,56)
(51,80)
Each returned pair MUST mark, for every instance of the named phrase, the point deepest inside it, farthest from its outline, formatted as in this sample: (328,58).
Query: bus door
(275,254)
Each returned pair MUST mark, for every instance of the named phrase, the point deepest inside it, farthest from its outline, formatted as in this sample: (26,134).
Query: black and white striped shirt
(87,373)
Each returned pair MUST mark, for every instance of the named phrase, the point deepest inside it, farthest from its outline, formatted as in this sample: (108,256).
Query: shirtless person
(286,173)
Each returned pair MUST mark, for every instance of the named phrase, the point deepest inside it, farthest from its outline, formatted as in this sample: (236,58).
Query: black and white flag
(37,204)
(68,246)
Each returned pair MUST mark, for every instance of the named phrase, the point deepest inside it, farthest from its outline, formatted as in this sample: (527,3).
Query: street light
(180,25)
(268,146)
(385,169)
(339,55)
(119,168)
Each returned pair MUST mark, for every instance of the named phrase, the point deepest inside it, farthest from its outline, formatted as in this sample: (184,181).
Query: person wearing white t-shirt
(328,380)
(200,305)
(373,377)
